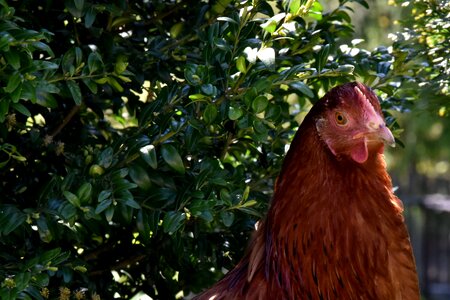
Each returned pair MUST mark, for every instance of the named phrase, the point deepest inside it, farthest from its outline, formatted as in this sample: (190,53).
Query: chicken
(335,229)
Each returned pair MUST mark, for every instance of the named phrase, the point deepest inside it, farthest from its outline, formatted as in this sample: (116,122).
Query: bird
(334,228)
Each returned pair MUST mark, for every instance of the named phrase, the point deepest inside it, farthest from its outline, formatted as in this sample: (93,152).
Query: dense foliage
(423,58)
(139,140)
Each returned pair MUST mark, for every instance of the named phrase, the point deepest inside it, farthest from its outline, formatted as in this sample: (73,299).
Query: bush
(140,139)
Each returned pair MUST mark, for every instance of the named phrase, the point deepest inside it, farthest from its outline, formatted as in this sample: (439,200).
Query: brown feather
(334,230)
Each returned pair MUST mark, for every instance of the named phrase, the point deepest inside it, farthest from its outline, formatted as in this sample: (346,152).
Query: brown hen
(335,229)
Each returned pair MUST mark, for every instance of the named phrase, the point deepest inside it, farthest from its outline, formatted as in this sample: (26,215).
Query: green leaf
(259,104)
(90,16)
(68,211)
(294,7)
(41,279)
(191,73)
(176,29)
(260,127)
(79,4)
(75,7)
(104,195)
(172,158)
(240,64)
(173,220)
(270,26)
(121,64)
(102,80)
(91,85)
(246,193)
(227,218)
(78,56)
(248,203)
(109,213)
(140,177)
(81,269)
(209,89)
(250,211)
(45,65)
(316,11)
(148,153)
(225,196)
(197,96)
(94,62)
(234,113)
(84,193)
(121,184)
(44,231)
(13,82)
(323,57)
(132,203)
(220,6)
(67,62)
(72,198)
(21,108)
(273,112)
(115,84)
(106,157)
(142,223)
(210,113)
(75,91)
(202,208)
(303,88)
(43,47)
(10,219)
(13,59)
(5,40)
(103,205)
(16,94)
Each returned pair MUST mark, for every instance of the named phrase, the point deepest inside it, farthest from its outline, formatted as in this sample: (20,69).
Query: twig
(66,120)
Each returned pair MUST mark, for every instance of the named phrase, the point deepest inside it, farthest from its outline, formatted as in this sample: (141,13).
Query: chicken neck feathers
(334,230)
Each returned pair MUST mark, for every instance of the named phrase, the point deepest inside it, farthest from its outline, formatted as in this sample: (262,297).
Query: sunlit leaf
(235,113)
(240,64)
(267,56)
(148,153)
(176,29)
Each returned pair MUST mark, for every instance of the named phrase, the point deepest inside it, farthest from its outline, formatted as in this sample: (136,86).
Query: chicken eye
(341,119)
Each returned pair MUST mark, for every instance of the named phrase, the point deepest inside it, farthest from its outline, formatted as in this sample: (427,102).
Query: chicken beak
(377,132)
(386,135)
(380,132)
